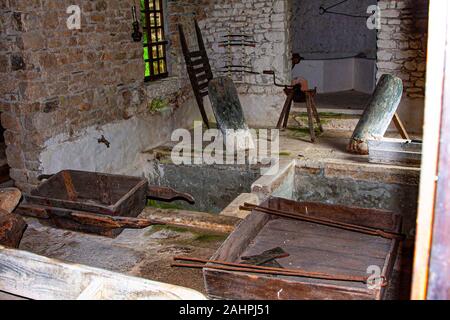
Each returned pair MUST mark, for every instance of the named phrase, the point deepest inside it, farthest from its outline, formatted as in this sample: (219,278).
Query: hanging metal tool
(137,34)
(323,10)
(236,40)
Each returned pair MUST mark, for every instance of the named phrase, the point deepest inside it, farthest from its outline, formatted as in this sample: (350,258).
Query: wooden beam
(82,221)
(35,277)
(12,226)
(439,267)
(9,199)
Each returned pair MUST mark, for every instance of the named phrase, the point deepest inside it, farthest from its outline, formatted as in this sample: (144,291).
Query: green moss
(171,228)
(301,133)
(157,104)
(193,237)
(209,238)
(284,154)
(163,205)
(326,115)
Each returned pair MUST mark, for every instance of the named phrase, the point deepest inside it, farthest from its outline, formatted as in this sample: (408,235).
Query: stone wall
(62,90)
(267,22)
(402,47)
(61,86)
(330,35)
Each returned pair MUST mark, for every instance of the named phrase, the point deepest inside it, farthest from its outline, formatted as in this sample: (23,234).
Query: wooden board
(35,277)
(395,152)
(12,228)
(100,193)
(312,247)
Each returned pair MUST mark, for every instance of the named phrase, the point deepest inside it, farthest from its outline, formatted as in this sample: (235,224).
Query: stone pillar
(378,114)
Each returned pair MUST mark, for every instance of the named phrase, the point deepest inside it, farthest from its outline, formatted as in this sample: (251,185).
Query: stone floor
(331,145)
(146,253)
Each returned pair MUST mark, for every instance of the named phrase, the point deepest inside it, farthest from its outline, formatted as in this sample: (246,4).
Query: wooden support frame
(400,127)
(311,110)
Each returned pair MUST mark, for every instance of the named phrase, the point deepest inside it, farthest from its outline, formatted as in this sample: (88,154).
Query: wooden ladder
(198,68)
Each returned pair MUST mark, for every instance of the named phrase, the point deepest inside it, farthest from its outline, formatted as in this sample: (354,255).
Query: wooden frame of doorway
(431,273)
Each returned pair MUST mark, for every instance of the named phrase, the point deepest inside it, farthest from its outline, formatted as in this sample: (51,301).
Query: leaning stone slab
(378,114)
(229,114)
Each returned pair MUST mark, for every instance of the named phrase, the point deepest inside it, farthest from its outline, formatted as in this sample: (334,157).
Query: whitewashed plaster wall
(338,74)
(336,36)
(128,139)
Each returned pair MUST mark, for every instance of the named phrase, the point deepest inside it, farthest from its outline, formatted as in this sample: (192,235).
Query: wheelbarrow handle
(45,176)
(168,194)
(272,73)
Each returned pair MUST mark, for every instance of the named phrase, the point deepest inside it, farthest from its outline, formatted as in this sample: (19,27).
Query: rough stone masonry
(62,89)
(62,86)
(402,47)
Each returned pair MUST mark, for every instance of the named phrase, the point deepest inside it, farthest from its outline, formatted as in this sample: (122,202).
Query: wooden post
(435,104)
(378,114)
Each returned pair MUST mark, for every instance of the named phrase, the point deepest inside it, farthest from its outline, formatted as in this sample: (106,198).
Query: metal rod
(228,266)
(327,222)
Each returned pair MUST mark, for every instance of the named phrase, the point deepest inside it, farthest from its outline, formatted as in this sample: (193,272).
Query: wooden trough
(312,248)
(94,202)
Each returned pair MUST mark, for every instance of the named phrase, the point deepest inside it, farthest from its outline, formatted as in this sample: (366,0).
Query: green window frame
(155,45)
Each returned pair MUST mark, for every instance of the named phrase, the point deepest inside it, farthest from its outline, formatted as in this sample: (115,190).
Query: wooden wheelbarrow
(92,202)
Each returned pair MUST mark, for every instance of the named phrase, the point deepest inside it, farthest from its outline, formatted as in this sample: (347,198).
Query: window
(152,17)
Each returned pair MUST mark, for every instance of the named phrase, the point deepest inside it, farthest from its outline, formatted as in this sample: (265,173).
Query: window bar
(163,34)
(149,36)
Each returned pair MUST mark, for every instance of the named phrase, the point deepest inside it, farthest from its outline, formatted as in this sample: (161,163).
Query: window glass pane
(154,52)
(161,50)
(162,66)
(153,33)
(156,4)
(146,57)
(147,69)
(158,20)
(143,20)
(151,4)
(144,38)
(160,34)
(155,68)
